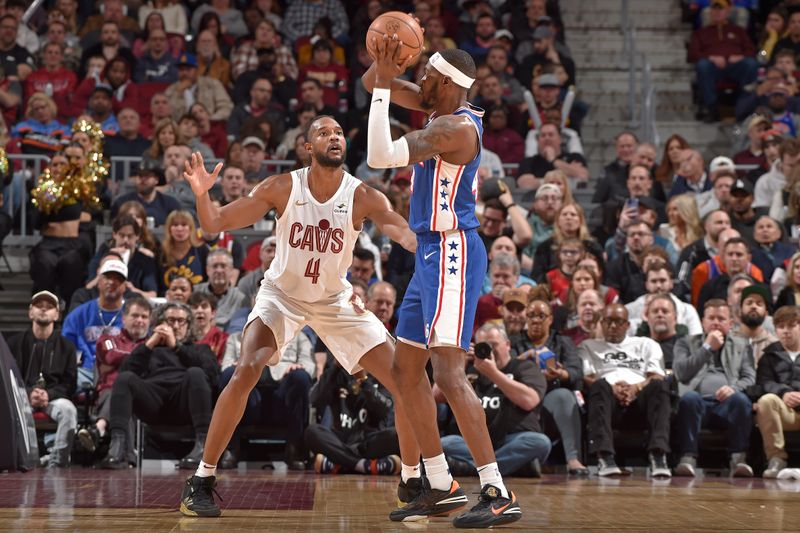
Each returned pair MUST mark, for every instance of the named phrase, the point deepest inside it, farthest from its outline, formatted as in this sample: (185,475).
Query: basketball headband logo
(445,68)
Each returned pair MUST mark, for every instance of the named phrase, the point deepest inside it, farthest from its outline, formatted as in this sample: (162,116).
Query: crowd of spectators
(671,306)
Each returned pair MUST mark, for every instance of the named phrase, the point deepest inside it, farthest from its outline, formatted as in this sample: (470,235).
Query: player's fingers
(216,171)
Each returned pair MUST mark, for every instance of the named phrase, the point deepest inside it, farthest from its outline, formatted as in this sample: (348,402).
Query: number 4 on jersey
(312,270)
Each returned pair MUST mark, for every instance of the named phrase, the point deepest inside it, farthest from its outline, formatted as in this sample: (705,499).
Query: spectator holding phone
(557,358)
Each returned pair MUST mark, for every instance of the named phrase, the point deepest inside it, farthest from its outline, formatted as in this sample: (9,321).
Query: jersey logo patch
(340,209)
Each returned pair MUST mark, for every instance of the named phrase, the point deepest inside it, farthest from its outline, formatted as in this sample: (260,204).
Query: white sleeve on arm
(382,152)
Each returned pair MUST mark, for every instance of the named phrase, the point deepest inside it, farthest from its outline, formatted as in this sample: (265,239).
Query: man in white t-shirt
(625,376)
(658,279)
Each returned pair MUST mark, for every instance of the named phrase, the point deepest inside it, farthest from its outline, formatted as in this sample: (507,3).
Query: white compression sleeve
(382,152)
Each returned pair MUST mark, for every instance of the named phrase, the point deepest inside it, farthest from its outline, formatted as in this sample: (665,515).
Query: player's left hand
(389,64)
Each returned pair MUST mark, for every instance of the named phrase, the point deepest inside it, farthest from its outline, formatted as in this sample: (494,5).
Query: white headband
(441,64)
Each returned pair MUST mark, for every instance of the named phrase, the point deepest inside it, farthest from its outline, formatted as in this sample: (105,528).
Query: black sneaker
(407,491)
(658,465)
(431,502)
(607,466)
(197,497)
(491,510)
(89,438)
(385,466)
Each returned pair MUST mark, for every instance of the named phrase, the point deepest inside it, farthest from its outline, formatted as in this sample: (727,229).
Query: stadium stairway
(593,32)
(16,292)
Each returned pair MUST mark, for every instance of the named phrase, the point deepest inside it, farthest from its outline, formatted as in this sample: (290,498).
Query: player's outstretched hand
(198,177)
(389,64)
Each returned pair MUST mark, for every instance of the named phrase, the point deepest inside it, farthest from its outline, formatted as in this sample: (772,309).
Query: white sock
(206,470)
(437,472)
(490,475)
(408,472)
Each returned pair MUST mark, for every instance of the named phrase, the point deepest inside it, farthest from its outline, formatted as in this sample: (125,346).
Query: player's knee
(246,375)
(450,382)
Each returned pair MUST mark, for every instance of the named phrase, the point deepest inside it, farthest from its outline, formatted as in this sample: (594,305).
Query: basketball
(404,25)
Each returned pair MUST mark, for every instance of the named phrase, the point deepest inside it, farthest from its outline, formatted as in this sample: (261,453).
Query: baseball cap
(645,202)
(187,60)
(721,162)
(742,185)
(252,139)
(269,241)
(549,80)
(757,120)
(547,187)
(115,265)
(519,296)
(504,34)
(759,290)
(772,136)
(45,295)
(542,32)
(103,87)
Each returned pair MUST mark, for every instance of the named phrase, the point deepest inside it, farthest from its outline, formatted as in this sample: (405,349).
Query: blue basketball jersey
(443,194)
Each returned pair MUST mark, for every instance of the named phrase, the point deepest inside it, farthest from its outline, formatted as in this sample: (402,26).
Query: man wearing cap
(513,314)
(157,64)
(156,204)
(723,174)
(544,51)
(720,50)
(775,180)
(191,88)
(260,103)
(100,108)
(754,153)
(714,371)
(743,213)
(103,315)
(47,362)
(754,310)
(253,155)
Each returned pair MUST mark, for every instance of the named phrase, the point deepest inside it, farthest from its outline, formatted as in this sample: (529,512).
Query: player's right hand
(197,175)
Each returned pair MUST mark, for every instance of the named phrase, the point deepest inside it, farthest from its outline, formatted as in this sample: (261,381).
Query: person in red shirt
(53,79)
(721,50)
(117,75)
(570,252)
(501,139)
(333,77)
(204,309)
(504,275)
(112,350)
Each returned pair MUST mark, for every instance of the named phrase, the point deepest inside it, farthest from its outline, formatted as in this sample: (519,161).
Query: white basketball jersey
(315,241)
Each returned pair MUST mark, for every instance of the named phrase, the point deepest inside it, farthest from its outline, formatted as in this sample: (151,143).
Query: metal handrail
(642,115)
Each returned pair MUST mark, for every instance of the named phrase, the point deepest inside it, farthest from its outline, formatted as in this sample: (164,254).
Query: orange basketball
(404,25)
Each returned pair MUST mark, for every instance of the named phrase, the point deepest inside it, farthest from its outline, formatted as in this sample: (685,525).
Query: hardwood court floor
(82,499)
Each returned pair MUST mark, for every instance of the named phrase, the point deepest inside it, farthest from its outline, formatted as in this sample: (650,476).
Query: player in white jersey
(321,209)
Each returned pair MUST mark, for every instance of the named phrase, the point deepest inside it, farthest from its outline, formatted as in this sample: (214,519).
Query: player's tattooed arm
(450,134)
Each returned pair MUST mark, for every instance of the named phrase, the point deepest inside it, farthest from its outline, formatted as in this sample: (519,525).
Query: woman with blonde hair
(184,253)
(570,223)
(165,135)
(40,132)
(684,226)
(559,178)
(790,295)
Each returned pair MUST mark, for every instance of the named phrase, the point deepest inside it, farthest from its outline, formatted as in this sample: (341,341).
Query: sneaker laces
(207,494)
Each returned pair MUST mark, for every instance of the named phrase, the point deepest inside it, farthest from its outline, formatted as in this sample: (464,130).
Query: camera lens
(483,350)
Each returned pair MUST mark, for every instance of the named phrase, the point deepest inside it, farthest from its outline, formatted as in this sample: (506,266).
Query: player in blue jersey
(438,310)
